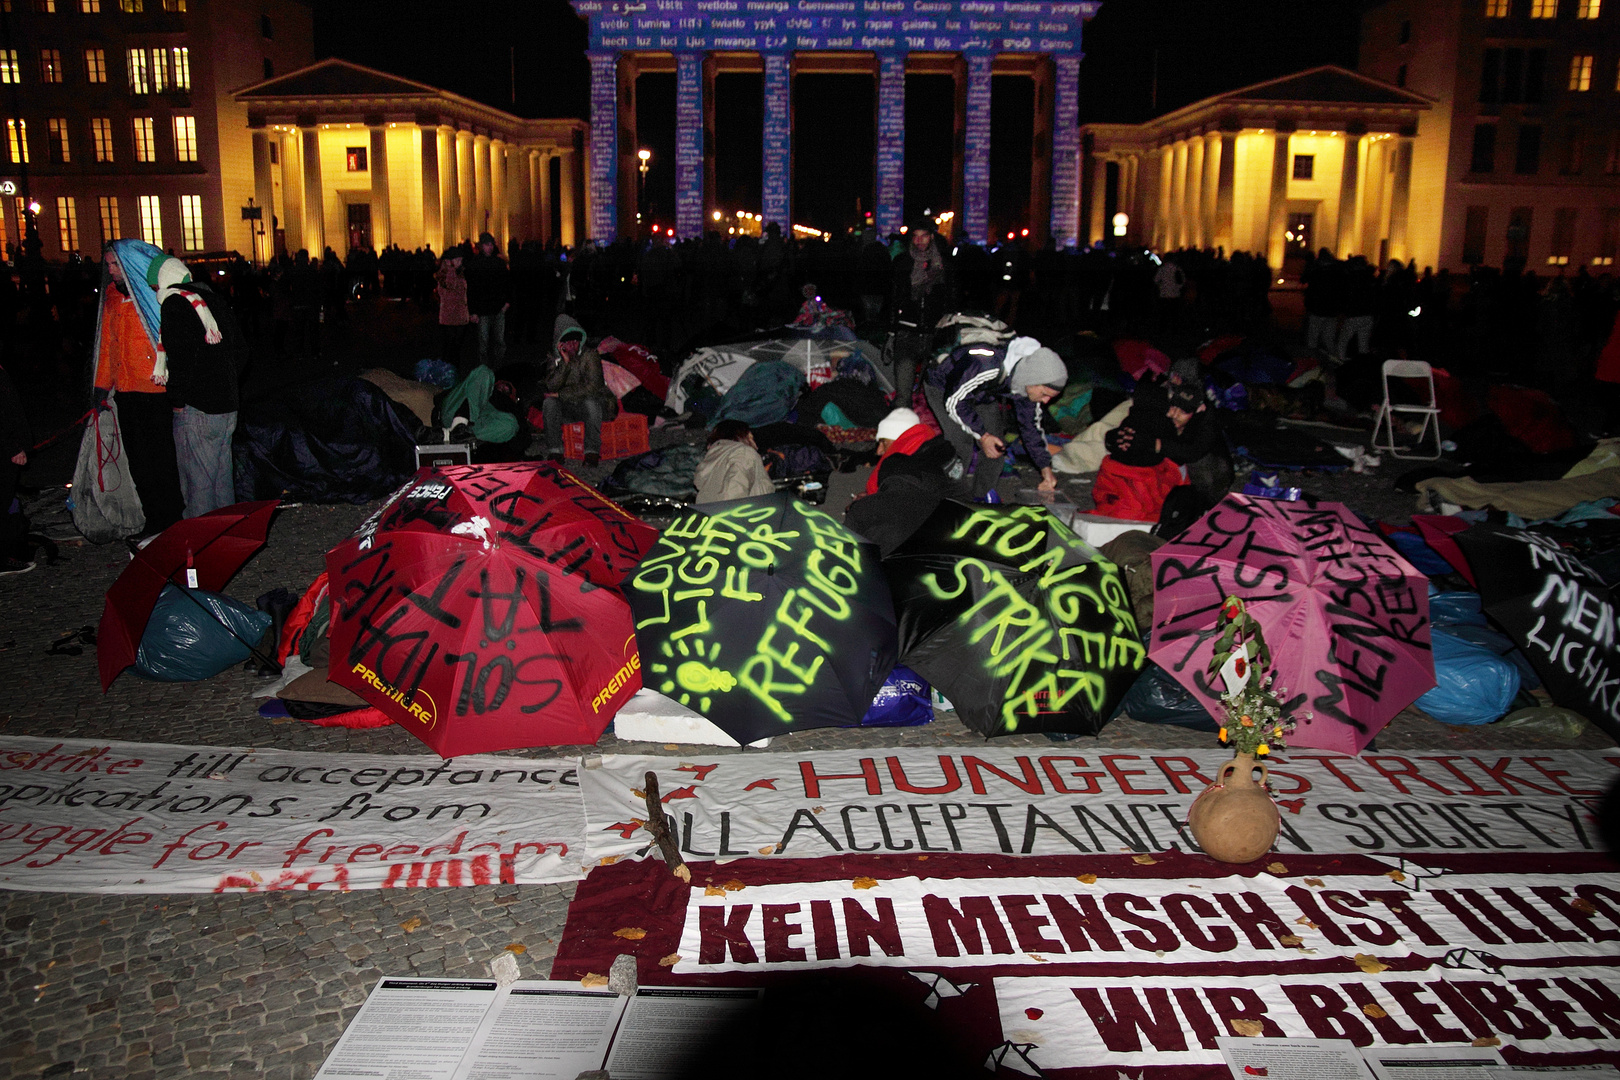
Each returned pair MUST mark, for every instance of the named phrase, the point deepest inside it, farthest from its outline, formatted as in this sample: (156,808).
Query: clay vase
(1234,819)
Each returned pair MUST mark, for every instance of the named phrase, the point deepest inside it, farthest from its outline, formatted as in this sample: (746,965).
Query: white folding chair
(1408,369)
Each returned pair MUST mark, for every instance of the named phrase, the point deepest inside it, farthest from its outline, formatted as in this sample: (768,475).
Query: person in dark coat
(969,389)
(575,391)
(922,290)
(917,469)
(489,295)
(204,349)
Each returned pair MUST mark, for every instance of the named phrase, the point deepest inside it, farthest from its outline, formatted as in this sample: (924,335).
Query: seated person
(575,391)
(732,468)
(917,468)
(1139,470)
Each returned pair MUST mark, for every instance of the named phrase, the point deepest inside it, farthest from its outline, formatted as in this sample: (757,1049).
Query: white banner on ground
(79,816)
(1062,801)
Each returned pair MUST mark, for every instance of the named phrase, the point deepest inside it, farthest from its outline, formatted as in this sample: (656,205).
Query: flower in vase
(1262,750)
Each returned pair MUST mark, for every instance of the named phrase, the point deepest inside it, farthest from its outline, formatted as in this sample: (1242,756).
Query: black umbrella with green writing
(764,614)
(1017,621)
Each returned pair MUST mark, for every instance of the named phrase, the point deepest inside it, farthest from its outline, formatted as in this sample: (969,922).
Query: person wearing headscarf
(968,390)
(127,365)
(731,469)
(204,348)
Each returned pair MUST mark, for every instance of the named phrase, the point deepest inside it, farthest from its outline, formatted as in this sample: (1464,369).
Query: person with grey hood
(970,386)
(575,391)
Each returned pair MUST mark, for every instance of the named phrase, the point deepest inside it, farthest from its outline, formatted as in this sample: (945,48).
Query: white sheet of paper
(543,1031)
(1229,670)
(1293,1059)
(420,1025)
(666,1028)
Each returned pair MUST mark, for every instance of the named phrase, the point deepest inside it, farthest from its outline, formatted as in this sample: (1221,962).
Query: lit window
(181,57)
(45,7)
(8,66)
(185,138)
(101,135)
(1544,9)
(138,81)
(160,71)
(50,65)
(17,141)
(355,156)
(95,65)
(145,144)
(67,219)
(133,7)
(151,221)
(89,7)
(1498,9)
(1580,72)
(109,219)
(1588,9)
(191,225)
(174,5)
(56,134)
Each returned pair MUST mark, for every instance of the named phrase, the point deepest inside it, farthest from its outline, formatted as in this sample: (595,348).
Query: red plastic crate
(622,437)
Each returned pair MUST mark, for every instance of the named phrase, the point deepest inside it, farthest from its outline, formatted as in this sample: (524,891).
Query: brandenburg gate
(970,40)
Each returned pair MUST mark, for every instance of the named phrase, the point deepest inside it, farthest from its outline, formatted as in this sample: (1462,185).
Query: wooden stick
(660,830)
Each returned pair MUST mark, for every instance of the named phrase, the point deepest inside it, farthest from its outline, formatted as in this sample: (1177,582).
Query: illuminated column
(466,185)
(450,185)
(689,134)
(1193,208)
(1066,153)
(496,149)
(382,218)
(1099,200)
(292,190)
(777,187)
(976,152)
(1209,187)
(1225,191)
(1133,205)
(711,195)
(1400,198)
(517,194)
(1372,197)
(480,192)
(1162,236)
(543,196)
(1178,196)
(568,196)
(264,195)
(1277,216)
(1349,177)
(604,159)
(314,210)
(432,207)
(890,197)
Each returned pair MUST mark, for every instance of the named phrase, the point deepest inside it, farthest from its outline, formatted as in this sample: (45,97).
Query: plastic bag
(1156,698)
(1472,684)
(188,641)
(1460,608)
(1545,722)
(106,506)
(902,701)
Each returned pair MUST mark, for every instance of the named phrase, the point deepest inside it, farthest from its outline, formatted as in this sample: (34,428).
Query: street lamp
(641,182)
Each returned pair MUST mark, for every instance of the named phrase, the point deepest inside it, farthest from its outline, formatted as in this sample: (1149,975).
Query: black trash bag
(334,441)
(1156,698)
(194,637)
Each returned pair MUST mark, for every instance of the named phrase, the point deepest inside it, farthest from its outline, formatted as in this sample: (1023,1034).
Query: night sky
(528,57)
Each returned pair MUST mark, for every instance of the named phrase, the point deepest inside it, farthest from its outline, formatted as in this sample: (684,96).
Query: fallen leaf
(1396,876)
(630,933)
(517,948)
(411,925)
(683,872)
(817,809)
(922,858)
(593,980)
(1143,860)
(734,886)
(1370,964)
(865,883)
(638,793)
(710,890)
(1251,1029)
(769,849)
(671,960)
(1087,879)
(608,860)
(1374,1011)
(1303,921)
(1486,1040)
(1276,868)
(1034,1014)
(1583,905)
(672,746)
(1314,882)
(1038,958)
(1291,940)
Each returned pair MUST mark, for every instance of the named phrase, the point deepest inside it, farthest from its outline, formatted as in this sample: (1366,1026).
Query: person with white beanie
(968,389)
(916,469)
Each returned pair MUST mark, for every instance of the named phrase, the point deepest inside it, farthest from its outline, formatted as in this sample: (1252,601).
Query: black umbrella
(764,614)
(1020,623)
(1559,613)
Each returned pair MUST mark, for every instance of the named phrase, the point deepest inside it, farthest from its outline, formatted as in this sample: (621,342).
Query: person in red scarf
(916,469)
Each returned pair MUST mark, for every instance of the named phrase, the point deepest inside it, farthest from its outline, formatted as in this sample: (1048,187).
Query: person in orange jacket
(125,363)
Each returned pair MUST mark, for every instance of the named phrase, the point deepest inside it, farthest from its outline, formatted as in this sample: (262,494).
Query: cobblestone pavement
(262,986)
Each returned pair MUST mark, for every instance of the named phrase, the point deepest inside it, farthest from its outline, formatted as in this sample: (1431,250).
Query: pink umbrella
(1347,618)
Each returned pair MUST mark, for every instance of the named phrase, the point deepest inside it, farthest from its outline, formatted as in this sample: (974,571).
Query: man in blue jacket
(968,389)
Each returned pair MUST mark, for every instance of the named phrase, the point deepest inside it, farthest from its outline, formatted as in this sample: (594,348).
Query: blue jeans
(492,339)
(202,448)
(558,412)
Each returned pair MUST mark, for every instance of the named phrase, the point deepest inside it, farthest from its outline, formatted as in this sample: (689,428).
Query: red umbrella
(215,545)
(476,608)
(1438,530)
